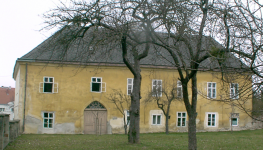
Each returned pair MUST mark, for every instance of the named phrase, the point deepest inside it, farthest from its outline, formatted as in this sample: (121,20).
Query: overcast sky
(19,32)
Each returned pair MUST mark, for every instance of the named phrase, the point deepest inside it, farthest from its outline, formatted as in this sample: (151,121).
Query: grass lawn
(250,139)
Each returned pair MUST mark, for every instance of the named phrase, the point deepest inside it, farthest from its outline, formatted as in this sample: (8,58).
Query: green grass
(250,139)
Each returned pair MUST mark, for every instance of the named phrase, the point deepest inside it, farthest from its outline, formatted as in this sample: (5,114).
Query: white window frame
(54,85)
(211,90)
(102,86)
(233,91)
(215,124)
(156,122)
(2,109)
(155,87)
(232,121)
(48,118)
(179,86)
(127,114)
(131,84)
(181,124)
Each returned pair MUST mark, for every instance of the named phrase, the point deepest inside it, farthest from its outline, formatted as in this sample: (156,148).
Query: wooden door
(95,122)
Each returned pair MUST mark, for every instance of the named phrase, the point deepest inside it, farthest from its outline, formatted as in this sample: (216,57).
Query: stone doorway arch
(95,119)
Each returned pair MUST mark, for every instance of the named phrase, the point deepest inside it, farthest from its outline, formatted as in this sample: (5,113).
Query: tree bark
(167,119)
(191,111)
(134,130)
(166,124)
(192,142)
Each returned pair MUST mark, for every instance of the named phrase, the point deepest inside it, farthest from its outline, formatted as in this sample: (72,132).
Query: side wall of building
(19,94)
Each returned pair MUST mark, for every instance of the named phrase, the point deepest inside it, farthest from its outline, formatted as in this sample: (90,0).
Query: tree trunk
(192,144)
(166,124)
(134,129)
(167,118)
(191,111)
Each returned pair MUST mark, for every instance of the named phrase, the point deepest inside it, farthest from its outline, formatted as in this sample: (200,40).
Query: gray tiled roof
(82,50)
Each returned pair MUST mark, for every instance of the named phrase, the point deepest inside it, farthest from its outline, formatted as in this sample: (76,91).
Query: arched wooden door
(95,119)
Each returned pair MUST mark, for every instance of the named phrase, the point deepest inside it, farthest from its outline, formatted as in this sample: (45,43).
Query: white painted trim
(126,117)
(55,86)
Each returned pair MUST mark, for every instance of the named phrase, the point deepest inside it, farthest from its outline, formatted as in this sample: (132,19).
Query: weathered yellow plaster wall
(74,96)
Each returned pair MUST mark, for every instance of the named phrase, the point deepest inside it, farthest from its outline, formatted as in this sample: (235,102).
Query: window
(48,85)
(97,85)
(48,119)
(211,122)
(129,86)
(2,109)
(211,89)
(156,119)
(179,89)
(127,117)
(181,119)
(234,90)
(157,88)
(234,119)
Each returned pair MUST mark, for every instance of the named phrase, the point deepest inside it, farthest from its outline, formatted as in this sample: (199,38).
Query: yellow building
(70,97)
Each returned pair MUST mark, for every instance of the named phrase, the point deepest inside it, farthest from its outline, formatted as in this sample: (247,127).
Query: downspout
(25,100)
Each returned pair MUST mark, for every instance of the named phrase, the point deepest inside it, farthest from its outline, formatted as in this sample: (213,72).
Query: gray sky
(19,32)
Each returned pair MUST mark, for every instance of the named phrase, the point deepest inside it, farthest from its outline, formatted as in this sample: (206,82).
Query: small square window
(97,85)
(234,121)
(48,85)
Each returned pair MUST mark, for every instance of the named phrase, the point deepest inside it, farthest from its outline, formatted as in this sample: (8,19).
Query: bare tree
(189,29)
(120,100)
(108,28)
(164,95)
